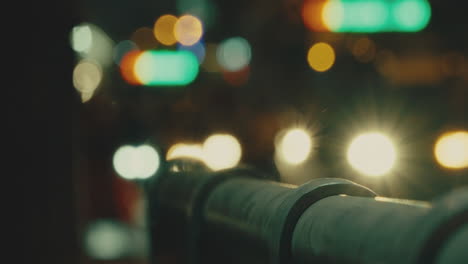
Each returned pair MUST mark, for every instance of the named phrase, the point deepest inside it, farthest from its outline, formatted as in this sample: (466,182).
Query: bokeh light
(412,15)
(144,38)
(87,76)
(107,240)
(321,57)
(376,16)
(234,53)
(312,15)
(372,154)
(127,67)
(122,48)
(221,151)
(163,67)
(333,15)
(182,150)
(136,162)
(295,146)
(451,150)
(188,30)
(198,49)
(85,97)
(164,29)
(81,38)
(92,43)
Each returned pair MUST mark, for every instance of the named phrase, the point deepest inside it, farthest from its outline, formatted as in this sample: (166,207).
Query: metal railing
(239,216)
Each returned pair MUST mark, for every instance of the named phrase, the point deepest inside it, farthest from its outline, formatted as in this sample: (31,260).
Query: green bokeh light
(166,68)
(412,15)
(377,15)
(107,240)
(234,54)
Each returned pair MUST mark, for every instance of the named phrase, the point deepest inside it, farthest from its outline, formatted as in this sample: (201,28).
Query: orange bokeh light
(127,67)
(312,15)
(164,29)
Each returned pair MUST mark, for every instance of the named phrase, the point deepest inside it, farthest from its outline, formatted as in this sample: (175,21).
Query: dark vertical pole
(41,110)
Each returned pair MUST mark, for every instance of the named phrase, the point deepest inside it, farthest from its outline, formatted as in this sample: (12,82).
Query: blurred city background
(371,91)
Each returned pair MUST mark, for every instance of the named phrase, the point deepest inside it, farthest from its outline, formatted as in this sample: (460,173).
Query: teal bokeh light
(411,16)
(370,16)
(233,54)
(166,68)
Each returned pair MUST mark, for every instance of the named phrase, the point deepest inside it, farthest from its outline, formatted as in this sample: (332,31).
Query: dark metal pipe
(345,229)
(237,216)
(357,230)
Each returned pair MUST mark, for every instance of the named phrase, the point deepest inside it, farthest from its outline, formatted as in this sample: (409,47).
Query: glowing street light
(221,151)
(451,150)
(372,154)
(295,146)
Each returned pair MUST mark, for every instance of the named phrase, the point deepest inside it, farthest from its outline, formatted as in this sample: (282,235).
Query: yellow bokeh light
(295,146)
(451,150)
(372,154)
(321,57)
(87,76)
(85,97)
(164,29)
(188,30)
(221,151)
(181,150)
